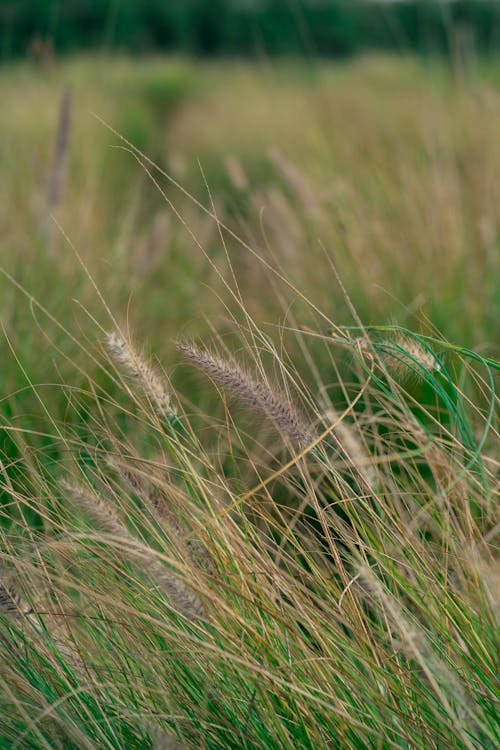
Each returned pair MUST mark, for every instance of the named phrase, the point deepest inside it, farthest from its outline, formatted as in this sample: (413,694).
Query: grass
(249,457)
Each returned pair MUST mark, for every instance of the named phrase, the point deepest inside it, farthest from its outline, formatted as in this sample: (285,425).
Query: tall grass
(278,536)
(256,595)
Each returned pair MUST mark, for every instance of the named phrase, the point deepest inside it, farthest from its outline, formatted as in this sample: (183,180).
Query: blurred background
(168,152)
(246,28)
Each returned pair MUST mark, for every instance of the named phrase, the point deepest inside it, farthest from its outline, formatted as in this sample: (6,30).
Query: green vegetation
(257,28)
(249,432)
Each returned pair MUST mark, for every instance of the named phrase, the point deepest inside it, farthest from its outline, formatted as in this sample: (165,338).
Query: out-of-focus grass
(388,164)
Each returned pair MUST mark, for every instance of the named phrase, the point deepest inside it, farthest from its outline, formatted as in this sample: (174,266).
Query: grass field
(249,453)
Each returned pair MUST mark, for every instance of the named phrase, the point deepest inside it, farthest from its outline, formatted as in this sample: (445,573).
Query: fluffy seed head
(413,638)
(96,508)
(158,503)
(141,371)
(179,595)
(255,394)
(410,354)
(403,355)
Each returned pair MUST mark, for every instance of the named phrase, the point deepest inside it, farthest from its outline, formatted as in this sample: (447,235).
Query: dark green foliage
(247,27)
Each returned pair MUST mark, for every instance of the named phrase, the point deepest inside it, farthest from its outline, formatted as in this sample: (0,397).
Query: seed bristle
(258,396)
(123,353)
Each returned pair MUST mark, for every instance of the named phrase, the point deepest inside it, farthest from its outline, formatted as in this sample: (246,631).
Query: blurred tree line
(247,27)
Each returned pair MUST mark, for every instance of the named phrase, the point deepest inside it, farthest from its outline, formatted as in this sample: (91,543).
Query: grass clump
(234,598)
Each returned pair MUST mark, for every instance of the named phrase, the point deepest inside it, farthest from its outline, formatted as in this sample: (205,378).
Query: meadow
(249,453)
